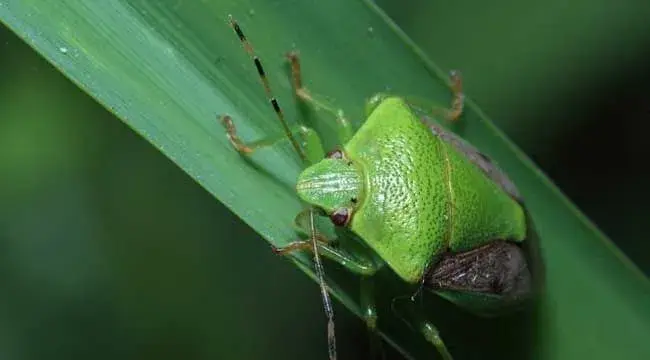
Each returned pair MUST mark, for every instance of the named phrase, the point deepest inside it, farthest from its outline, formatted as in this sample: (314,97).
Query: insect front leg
(309,140)
(345,130)
(308,134)
(355,262)
(349,261)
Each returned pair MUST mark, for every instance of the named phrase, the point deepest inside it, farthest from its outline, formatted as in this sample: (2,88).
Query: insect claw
(292,54)
(275,249)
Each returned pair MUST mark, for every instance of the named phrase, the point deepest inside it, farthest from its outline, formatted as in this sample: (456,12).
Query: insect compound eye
(335,154)
(340,217)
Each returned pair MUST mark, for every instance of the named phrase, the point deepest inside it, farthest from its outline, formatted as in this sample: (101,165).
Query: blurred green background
(108,250)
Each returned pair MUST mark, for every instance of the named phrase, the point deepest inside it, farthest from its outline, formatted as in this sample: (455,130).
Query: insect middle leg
(311,149)
(369,310)
(365,268)
(354,261)
(345,130)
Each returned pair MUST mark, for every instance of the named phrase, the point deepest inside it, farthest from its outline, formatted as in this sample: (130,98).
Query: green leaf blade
(169,68)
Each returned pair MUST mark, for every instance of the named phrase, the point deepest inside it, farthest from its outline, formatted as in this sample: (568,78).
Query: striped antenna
(267,88)
(327,302)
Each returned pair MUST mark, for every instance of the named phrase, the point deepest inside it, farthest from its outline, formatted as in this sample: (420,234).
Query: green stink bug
(423,201)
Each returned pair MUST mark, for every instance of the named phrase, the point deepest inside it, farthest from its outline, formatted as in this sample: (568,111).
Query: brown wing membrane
(479,159)
(498,268)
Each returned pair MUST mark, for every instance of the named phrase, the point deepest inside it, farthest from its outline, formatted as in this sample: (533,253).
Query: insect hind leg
(416,321)
(458,97)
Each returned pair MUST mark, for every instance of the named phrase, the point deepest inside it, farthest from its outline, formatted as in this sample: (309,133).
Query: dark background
(97,228)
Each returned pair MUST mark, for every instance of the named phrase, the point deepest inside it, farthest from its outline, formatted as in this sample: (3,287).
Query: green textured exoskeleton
(426,203)
(415,197)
